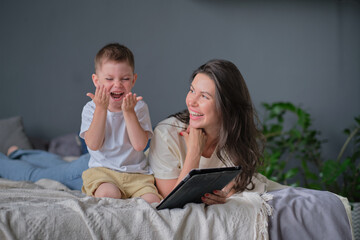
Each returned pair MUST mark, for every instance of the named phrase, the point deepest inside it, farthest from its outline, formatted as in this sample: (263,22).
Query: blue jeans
(32,165)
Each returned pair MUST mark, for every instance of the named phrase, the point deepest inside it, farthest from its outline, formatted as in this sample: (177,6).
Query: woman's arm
(195,141)
(165,186)
(161,158)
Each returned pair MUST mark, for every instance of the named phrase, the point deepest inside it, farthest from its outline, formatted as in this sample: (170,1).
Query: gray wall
(306,52)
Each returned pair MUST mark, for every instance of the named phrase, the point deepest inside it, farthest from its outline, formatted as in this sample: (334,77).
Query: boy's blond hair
(114,52)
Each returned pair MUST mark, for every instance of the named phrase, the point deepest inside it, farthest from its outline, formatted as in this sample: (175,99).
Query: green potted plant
(292,155)
(342,175)
(289,143)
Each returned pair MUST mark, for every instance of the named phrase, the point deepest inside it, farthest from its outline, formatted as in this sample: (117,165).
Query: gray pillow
(12,133)
(66,145)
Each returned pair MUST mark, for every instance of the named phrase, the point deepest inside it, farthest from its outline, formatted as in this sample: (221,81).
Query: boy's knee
(107,190)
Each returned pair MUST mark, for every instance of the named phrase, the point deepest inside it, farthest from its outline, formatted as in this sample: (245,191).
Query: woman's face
(201,104)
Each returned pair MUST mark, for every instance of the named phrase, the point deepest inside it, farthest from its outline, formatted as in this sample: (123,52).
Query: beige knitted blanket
(48,210)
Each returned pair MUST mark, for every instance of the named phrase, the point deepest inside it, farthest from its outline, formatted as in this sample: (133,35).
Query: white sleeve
(143,115)
(167,152)
(86,117)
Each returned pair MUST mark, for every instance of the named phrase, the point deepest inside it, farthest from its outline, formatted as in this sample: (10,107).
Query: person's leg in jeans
(37,157)
(15,170)
(74,170)
(67,173)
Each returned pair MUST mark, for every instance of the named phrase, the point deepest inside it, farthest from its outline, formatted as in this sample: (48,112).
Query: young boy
(116,127)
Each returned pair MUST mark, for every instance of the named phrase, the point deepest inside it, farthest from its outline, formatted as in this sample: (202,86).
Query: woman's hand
(195,139)
(219,196)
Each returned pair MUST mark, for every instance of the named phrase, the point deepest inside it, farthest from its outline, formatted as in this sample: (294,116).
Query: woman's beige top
(168,151)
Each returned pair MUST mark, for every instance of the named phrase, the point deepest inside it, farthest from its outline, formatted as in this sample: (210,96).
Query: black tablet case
(196,184)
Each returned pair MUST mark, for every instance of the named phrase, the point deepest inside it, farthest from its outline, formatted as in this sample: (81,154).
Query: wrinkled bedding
(31,211)
(49,210)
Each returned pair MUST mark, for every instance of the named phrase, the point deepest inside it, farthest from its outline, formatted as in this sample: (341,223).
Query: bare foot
(12,149)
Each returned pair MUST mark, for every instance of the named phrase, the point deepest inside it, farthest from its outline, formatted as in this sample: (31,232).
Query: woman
(218,129)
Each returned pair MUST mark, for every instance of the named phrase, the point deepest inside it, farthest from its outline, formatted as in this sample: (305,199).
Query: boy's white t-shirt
(117,153)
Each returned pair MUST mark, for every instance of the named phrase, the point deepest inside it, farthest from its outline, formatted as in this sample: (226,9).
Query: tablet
(196,184)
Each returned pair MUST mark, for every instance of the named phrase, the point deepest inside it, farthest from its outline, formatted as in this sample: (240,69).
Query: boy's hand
(101,97)
(129,102)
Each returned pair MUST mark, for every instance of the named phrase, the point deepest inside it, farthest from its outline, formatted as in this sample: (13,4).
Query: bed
(49,210)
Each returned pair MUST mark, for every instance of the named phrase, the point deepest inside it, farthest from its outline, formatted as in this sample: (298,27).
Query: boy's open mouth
(116,95)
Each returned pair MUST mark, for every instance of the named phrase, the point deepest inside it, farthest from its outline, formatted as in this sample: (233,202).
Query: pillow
(12,133)
(66,145)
